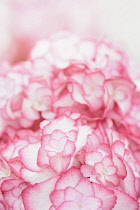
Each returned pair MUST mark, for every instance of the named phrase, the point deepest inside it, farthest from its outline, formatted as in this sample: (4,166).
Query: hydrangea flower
(69,128)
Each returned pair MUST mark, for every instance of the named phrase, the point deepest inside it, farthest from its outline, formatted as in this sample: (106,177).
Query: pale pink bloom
(120,91)
(10,151)
(11,191)
(72,194)
(99,169)
(89,89)
(72,183)
(106,172)
(60,141)
(42,191)
(111,59)
(132,119)
(34,177)
(6,85)
(125,201)
(38,99)
(109,163)
(78,100)
(63,48)
(39,95)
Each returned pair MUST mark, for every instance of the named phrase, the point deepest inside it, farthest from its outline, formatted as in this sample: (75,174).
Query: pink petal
(124,201)
(64,101)
(111,170)
(52,208)
(72,135)
(118,147)
(69,205)
(69,148)
(42,158)
(57,197)
(77,93)
(72,194)
(37,177)
(57,134)
(70,178)
(29,156)
(63,123)
(59,164)
(98,78)
(86,170)
(37,196)
(84,131)
(113,179)
(99,167)
(107,196)
(128,184)
(18,205)
(15,164)
(107,161)
(93,157)
(92,203)
(118,162)
(92,142)
(85,184)
(28,112)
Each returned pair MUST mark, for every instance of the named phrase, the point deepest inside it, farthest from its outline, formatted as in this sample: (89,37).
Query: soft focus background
(22,23)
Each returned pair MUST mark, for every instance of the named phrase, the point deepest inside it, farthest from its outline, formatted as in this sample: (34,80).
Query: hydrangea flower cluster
(69,129)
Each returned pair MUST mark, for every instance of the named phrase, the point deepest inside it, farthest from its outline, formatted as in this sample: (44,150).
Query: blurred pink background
(22,23)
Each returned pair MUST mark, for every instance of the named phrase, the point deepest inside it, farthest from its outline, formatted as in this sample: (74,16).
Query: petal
(107,196)
(118,162)
(63,123)
(42,158)
(84,131)
(37,177)
(29,156)
(113,179)
(111,170)
(38,196)
(92,158)
(86,170)
(28,112)
(128,184)
(85,184)
(64,101)
(59,164)
(118,147)
(72,135)
(57,197)
(99,167)
(69,148)
(70,178)
(69,205)
(72,194)
(92,203)
(124,201)
(77,93)
(107,161)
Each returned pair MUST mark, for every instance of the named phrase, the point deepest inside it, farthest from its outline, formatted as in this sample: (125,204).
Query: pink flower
(106,172)
(69,128)
(74,195)
(70,193)
(60,140)
(120,91)
(42,191)
(11,190)
(89,89)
